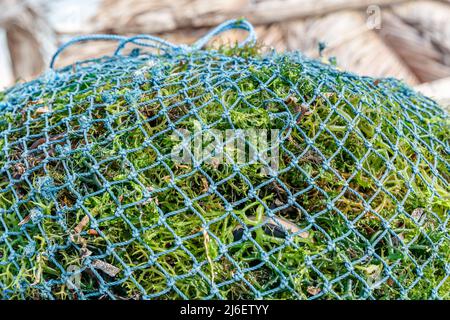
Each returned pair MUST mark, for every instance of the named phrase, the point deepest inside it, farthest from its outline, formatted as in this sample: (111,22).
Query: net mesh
(340,189)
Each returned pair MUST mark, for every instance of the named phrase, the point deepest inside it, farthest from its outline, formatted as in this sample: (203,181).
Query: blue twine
(149,41)
(53,184)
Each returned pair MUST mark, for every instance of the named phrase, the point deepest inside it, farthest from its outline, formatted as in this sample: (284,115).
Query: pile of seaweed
(93,204)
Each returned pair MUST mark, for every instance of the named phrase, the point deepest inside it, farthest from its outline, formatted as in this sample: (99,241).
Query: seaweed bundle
(94,202)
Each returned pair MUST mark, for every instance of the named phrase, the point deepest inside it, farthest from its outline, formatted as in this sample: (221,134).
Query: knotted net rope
(180,172)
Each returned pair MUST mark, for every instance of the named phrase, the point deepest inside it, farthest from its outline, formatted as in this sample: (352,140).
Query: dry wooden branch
(162,16)
(30,39)
(357,48)
(419,33)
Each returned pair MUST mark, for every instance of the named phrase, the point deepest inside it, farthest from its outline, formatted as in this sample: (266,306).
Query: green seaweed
(101,157)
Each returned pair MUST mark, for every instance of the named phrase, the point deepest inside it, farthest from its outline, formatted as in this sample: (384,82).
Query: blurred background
(405,39)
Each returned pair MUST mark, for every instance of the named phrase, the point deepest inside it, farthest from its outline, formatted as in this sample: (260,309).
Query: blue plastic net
(179,172)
